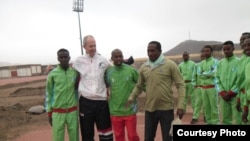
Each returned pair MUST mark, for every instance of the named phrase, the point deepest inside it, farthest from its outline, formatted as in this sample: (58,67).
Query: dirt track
(15,100)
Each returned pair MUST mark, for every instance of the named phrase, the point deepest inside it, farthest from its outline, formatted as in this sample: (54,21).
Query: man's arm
(180,86)
(212,71)
(49,93)
(139,87)
(194,76)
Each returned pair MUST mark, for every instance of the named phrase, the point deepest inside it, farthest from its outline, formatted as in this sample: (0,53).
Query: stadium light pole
(78,7)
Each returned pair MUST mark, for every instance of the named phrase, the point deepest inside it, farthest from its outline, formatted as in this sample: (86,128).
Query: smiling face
(246,46)
(90,46)
(117,57)
(242,38)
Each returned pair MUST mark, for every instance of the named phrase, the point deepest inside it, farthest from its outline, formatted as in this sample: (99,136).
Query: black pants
(93,112)
(165,117)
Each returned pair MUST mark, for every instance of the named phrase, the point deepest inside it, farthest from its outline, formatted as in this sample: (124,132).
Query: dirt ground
(16,99)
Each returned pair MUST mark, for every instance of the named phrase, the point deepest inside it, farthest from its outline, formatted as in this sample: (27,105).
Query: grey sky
(31,31)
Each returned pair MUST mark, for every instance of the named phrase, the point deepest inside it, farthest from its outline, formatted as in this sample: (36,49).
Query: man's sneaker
(193,121)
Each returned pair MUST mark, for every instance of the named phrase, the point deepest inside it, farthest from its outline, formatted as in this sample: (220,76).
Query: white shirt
(92,69)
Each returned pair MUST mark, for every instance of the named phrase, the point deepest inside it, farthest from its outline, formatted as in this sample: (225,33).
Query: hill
(193,47)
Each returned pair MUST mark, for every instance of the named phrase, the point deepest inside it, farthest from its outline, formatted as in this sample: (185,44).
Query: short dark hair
(208,46)
(158,44)
(62,50)
(246,33)
(229,43)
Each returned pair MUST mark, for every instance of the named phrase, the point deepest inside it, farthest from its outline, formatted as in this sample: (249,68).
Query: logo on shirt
(101,65)
(234,69)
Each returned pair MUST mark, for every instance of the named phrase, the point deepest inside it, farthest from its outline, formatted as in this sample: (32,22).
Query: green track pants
(70,120)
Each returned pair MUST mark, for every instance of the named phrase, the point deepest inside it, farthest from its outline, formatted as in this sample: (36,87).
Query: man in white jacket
(93,105)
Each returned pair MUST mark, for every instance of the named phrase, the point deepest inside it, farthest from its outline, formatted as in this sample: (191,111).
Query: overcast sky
(31,31)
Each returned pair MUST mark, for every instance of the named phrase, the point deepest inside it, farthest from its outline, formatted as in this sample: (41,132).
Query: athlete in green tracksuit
(209,93)
(245,115)
(197,91)
(241,77)
(226,85)
(246,100)
(62,99)
(121,79)
(186,68)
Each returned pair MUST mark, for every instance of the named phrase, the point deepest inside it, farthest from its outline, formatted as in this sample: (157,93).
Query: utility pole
(78,7)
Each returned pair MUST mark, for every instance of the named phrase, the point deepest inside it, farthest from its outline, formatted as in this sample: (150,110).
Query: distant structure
(20,70)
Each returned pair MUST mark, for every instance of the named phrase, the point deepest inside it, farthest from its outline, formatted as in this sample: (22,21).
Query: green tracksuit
(121,81)
(226,82)
(186,68)
(61,94)
(196,82)
(244,60)
(247,85)
(209,93)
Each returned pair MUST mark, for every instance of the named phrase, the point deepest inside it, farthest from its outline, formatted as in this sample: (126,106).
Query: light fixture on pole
(78,7)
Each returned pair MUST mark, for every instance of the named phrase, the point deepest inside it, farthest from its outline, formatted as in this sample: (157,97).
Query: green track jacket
(226,75)
(208,69)
(61,92)
(121,81)
(186,69)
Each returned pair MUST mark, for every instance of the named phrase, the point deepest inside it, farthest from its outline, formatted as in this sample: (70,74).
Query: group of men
(96,93)
(219,86)
(106,94)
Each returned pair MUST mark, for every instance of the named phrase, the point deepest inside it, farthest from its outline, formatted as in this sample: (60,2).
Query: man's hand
(226,97)
(50,120)
(238,106)
(245,114)
(180,113)
(129,102)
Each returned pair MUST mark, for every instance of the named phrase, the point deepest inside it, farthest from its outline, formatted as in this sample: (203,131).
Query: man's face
(153,52)
(242,38)
(63,58)
(117,58)
(90,46)
(246,45)
(185,56)
(203,56)
(207,52)
(228,50)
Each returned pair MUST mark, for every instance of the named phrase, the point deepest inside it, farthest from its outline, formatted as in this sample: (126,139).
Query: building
(20,70)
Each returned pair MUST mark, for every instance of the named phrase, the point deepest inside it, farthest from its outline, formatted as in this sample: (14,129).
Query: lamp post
(78,7)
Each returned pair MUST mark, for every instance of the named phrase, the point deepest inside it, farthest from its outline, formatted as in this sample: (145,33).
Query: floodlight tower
(78,7)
